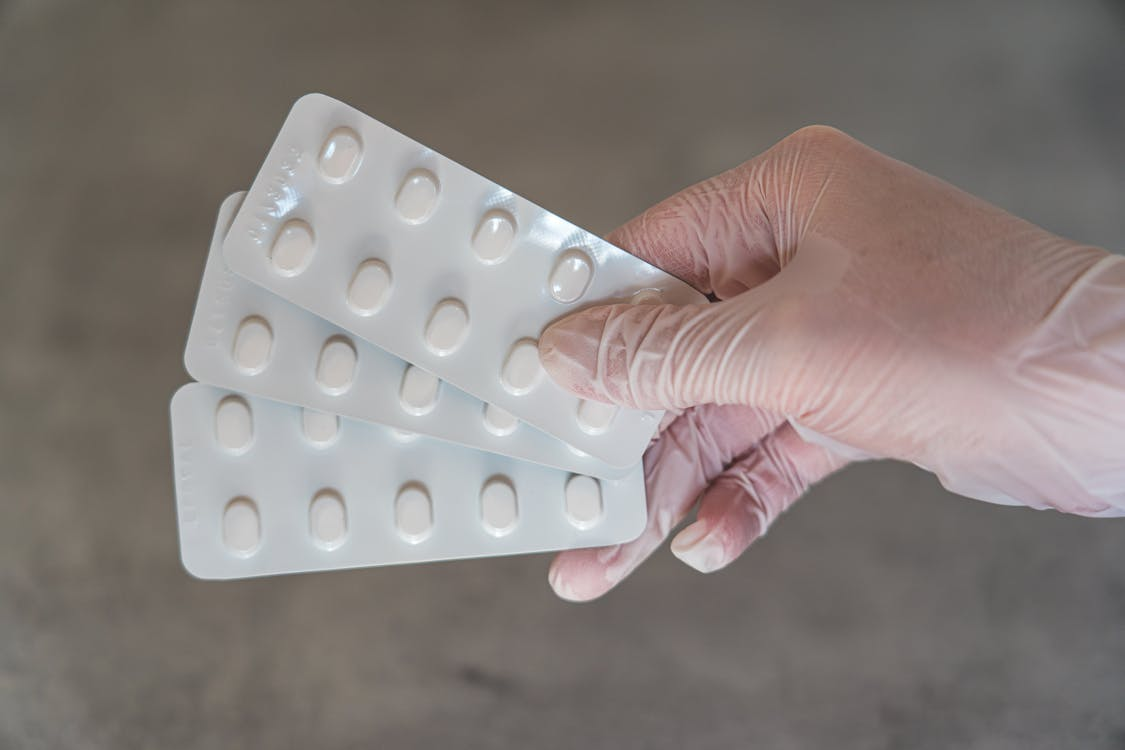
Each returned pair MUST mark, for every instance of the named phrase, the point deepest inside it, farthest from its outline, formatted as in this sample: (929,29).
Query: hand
(864,308)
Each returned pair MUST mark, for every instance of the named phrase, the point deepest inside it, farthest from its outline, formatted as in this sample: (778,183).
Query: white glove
(866,309)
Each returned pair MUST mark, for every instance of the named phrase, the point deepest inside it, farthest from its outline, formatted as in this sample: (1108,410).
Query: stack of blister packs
(370,390)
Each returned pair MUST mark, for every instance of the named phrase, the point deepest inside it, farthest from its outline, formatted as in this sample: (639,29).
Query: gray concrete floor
(881,612)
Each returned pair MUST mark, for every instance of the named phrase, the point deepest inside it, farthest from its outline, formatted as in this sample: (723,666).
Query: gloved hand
(866,309)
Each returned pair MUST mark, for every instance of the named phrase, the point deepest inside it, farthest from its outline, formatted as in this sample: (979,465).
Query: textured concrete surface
(881,612)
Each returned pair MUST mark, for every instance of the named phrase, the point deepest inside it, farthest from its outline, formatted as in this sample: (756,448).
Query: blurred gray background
(881,612)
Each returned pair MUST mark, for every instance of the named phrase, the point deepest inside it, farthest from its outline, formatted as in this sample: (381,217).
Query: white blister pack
(443,268)
(262,489)
(246,338)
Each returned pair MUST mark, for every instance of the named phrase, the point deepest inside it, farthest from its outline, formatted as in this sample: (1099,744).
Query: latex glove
(881,311)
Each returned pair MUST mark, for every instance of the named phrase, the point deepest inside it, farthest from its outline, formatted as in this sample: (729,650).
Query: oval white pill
(498,507)
(595,417)
(328,519)
(447,327)
(369,287)
(340,155)
(335,370)
(419,391)
(646,297)
(499,421)
(571,276)
(417,196)
(252,344)
(292,248)
(583,501)
(493,239)
(319,428)
(234,426)
(522,371)
(413,513)
(242,529)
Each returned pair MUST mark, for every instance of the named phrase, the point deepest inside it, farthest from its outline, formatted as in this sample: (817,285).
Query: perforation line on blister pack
(303,206)
(246,338)
(235,442)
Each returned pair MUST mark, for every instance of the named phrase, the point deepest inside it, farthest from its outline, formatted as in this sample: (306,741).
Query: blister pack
(246,338)
(265,488)
(441,267)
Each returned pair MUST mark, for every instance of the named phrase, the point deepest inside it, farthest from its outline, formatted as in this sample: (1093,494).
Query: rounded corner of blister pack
(313,99)
(190,568)
(633,530)
(187,359)
(180,395)
(229,207)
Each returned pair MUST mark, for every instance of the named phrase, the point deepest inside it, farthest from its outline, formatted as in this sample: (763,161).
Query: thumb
(671,357)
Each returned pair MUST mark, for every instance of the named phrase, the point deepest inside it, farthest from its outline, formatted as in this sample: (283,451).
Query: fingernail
(689,536)
(699,549)
(559,585)
(568,349)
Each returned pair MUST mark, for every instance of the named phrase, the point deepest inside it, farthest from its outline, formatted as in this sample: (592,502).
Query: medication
(252,343)
(234,427)
(241,527)
(571,276)
(319,428)
(493,239)
(340,157)
(419,391)
(265,488)
(583,501)
(247,339)
(407,250)
(293,249)
(447,327)
(418,196)
(414,513)
(595,417)
(522,371)
(336,368)
(328,519)
(499,422)
(499,508)
(369,287)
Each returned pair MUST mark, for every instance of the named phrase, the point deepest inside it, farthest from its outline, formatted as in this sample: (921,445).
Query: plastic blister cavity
(408,250)
(245,338)
(267,488)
